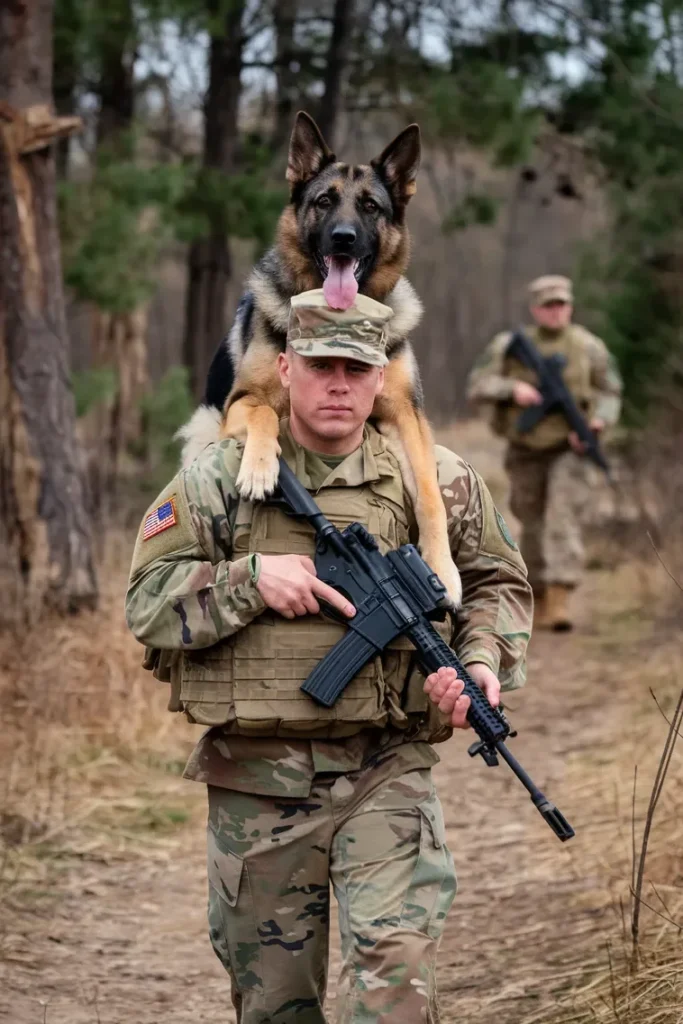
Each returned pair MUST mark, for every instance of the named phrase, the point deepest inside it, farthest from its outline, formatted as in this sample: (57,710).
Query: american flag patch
(160,519)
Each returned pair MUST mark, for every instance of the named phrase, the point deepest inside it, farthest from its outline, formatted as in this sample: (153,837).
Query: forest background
(142,155)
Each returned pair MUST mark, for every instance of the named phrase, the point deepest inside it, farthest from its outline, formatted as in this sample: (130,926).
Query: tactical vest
(250,683)
(553,430)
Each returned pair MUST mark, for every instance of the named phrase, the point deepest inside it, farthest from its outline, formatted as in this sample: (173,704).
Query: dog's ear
(308,151)
(399,163)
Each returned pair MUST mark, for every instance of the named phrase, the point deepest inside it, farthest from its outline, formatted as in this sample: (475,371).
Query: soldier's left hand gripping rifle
(394,594)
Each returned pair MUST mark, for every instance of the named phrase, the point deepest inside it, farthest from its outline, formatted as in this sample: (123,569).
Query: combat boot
(558,617)
(541,620)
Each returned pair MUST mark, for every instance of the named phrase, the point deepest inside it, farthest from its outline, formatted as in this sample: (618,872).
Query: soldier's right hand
(289,585)
(526,394)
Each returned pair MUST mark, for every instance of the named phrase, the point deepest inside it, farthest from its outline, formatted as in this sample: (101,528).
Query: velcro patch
(159,519)
(503,527)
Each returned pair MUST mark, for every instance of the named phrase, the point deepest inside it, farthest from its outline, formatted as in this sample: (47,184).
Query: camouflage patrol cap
(359,332)
(551,288)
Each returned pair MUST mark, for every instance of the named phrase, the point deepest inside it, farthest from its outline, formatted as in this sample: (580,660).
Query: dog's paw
(259,471)
(443,565)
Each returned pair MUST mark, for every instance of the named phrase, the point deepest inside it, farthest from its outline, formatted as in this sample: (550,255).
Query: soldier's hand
(577,445)
(596,425)
(445,690)
(526,394)
(288,584)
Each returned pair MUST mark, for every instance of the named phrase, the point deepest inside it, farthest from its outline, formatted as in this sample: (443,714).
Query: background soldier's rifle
(395,594)
(556,396)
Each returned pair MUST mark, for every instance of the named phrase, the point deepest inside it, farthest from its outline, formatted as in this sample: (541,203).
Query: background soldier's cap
(550,288)
(315,329)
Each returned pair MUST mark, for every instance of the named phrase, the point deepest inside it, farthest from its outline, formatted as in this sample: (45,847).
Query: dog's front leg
(258,424)
(400,416)
(252,413)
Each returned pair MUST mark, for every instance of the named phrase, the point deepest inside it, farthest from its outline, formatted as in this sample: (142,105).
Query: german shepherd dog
(343,229)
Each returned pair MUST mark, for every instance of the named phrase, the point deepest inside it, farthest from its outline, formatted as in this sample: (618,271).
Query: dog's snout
(344,235)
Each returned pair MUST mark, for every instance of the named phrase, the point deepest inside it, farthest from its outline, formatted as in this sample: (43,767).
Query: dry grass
(90,759)
(618,977)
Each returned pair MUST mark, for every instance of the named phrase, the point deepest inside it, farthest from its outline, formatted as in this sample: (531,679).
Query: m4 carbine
(556,396)
(395,594)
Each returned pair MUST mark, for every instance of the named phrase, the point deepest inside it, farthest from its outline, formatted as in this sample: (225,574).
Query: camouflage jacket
(185,592)
(592,375)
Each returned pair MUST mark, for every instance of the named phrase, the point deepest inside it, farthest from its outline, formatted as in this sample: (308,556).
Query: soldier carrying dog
(545,466)
(224,594)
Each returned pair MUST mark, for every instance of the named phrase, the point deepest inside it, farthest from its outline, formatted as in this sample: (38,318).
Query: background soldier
(546,471)
(225,593)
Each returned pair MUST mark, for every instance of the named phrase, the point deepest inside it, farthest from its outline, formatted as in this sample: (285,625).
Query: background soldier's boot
(557,608)
(541,620)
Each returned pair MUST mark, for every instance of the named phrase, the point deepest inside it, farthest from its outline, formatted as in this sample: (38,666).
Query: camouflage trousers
(548,491)
(270,862)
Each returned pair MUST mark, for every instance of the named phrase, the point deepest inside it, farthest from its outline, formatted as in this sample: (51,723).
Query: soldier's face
(553,315)
(330,397)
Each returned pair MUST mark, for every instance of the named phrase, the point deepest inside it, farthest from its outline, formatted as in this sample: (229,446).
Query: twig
(663,563)
(660,897)
(662,770)
(662,711)
(674,733)
(664,917)
(633,828)
(623,917)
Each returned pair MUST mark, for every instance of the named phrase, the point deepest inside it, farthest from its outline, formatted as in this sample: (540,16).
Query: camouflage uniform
(288,813)
(548,481)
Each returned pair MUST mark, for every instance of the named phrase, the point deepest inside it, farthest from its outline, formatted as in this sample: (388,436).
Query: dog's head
(345,225)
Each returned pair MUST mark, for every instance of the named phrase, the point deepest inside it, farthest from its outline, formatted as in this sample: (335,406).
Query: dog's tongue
(340,286)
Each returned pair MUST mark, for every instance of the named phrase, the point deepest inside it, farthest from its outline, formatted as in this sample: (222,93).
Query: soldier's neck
(549,333)
(312,440)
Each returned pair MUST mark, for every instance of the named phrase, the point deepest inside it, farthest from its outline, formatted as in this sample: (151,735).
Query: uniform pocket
(232,922)
(224,869)
(434,884)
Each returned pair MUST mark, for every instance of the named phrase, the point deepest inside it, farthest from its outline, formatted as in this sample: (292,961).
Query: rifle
(395,594)
(556,396)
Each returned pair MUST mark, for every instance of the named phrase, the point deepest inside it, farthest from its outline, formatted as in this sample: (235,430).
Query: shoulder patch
(161,518)
(155,536)
(496,539)
(503,527)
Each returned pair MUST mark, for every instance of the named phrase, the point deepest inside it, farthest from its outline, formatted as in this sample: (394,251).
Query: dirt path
(127,942)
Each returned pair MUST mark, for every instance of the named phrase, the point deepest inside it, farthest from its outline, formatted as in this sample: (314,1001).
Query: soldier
(547,474)
(224,594)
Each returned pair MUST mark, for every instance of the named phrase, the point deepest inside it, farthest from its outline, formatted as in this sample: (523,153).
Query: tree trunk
(118,339)
(287,92)
(330,103)
(67,32)
(111,426)
(117,49)
(45,537)
(209,263)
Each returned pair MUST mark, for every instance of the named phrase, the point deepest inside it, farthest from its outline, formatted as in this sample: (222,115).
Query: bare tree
(209,259)
(284,23)
(337,56)
(45,538)
(116,51)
